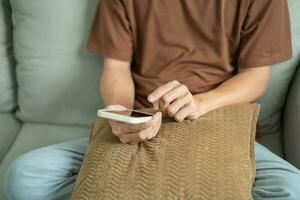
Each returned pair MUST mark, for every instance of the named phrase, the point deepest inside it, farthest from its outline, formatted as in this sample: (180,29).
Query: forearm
(116,85)
(244,87)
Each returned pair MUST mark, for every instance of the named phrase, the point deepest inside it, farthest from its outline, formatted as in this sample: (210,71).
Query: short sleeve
(111,35)
(265,35)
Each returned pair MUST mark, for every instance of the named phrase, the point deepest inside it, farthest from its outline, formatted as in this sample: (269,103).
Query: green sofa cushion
(275,97)
(9,127)
(58,78)
(32,136)
(291,122)
(7,75)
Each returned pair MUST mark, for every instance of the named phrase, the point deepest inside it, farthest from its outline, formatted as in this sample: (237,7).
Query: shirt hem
(114,54)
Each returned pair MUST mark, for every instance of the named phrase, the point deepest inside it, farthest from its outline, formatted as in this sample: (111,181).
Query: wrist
(202,106)
(205,102)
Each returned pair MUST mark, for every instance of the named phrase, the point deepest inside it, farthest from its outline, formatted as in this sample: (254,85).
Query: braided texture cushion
(208,158)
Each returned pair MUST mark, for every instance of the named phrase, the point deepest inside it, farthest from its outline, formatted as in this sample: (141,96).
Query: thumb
(116,106)
(157,116)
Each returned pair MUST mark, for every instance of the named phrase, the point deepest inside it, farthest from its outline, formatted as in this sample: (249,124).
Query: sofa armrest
(291,122)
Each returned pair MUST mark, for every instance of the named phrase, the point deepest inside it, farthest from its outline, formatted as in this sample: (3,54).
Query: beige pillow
(208,158)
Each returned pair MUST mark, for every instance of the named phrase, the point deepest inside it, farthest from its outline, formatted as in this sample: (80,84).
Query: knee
(290,185)
(24,176)
(17,179)
(279,186)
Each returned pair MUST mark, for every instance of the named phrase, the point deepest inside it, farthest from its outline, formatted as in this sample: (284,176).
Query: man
(187,57)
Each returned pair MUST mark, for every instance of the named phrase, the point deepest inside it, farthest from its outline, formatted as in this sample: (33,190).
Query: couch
(49,82)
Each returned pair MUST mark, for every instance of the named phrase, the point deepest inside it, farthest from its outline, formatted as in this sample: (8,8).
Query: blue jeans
(49,173)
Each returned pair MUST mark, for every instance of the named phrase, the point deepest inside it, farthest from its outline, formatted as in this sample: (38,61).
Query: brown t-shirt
(199,43)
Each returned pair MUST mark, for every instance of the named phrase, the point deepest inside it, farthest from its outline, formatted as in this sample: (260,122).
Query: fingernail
(150,98)
(158,114)
(154,117)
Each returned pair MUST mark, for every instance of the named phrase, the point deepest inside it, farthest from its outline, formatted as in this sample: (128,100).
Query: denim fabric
(49,173)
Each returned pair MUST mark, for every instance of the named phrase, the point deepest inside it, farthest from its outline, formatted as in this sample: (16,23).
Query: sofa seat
(9,128)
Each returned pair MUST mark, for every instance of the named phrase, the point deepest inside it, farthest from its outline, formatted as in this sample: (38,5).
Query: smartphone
(125,115)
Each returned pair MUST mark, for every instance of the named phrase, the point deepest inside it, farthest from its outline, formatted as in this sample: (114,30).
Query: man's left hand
(177,100)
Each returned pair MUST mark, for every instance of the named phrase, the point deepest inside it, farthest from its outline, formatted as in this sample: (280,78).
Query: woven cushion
(208,158)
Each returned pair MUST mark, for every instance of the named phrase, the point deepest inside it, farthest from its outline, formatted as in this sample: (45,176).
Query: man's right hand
(135,133)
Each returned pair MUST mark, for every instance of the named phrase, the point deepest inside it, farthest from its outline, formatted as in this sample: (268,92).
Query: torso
(193,41)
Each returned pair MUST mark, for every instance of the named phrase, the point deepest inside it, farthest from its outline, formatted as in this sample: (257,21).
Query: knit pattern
(208,158)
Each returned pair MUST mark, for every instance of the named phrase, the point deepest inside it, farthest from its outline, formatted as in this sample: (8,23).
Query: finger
(163,106)
(134,142)
(178,104)
(143,135)
(194,115)
(114,127)
(156,118)
(121,127)
(162,90)
(177,92)
(136,137)
(155,105)
(116,106)
(183,113)
(113,123)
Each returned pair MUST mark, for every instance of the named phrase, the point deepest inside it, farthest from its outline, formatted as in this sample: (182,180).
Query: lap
(56,167)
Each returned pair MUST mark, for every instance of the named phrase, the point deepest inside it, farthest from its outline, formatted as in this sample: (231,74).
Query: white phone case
(122,118)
